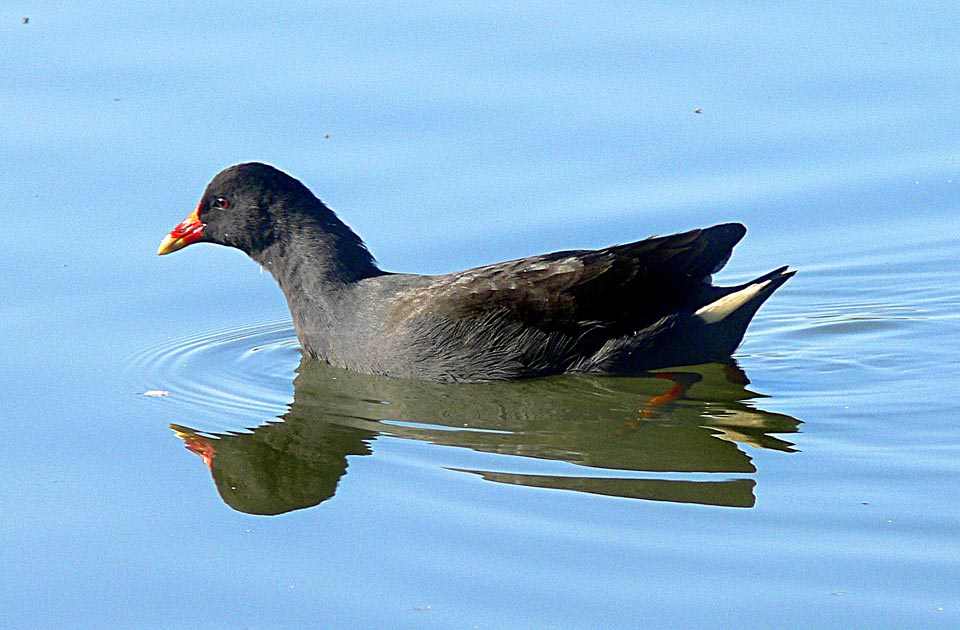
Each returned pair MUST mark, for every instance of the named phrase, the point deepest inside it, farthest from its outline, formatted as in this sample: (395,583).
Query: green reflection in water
(622,442)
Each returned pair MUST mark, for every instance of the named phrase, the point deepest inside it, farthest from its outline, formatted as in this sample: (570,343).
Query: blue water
(824,493)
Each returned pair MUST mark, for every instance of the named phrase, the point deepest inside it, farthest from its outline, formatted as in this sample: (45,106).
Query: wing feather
(619,288)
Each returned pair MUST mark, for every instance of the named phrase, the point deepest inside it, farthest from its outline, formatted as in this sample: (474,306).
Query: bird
(623,310)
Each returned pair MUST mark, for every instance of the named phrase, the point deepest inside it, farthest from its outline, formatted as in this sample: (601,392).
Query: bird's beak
(189,231)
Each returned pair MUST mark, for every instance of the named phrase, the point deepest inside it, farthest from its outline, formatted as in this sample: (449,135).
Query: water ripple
(223,376)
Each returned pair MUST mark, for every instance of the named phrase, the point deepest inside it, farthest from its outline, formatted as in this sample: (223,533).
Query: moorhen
(626,309)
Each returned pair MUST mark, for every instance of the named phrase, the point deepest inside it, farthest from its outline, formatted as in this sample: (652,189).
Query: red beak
(189,231)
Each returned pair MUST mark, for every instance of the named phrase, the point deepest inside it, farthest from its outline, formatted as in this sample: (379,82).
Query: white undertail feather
(717,311)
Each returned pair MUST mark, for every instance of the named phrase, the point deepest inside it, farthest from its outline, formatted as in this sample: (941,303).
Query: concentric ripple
(225,379)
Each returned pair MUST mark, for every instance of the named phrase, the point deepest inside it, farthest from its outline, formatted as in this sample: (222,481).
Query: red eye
(221,202)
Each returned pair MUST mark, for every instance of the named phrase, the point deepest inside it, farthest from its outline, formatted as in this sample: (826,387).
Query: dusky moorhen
(625,309)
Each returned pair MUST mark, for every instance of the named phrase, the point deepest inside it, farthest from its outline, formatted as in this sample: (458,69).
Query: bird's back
(543,314)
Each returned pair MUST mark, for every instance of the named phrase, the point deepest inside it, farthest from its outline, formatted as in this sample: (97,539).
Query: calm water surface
(170,461)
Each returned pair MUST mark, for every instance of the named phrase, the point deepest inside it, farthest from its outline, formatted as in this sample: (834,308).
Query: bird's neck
(320,255)
(315,268)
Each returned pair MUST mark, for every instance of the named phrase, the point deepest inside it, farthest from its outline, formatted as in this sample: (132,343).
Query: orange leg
(682,382)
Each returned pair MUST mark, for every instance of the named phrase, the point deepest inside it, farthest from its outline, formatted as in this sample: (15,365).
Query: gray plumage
(623,309)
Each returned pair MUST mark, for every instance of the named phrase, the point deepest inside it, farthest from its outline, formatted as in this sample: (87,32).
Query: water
(822,493)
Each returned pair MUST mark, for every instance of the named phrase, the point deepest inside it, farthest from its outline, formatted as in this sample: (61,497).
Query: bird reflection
(626,437)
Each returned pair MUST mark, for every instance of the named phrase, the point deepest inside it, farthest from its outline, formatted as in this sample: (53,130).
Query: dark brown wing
(624,287)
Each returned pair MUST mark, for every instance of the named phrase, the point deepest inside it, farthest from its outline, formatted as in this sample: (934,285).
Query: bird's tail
(732,312)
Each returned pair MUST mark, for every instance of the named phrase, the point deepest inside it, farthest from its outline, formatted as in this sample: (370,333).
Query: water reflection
(623,435)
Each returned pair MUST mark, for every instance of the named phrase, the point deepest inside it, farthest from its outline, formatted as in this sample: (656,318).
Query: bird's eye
(221,202)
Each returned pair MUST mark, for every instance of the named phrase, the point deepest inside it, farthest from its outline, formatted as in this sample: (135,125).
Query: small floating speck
(156,393)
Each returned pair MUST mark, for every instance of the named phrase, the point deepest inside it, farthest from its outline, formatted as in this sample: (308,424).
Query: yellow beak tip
(169,244)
